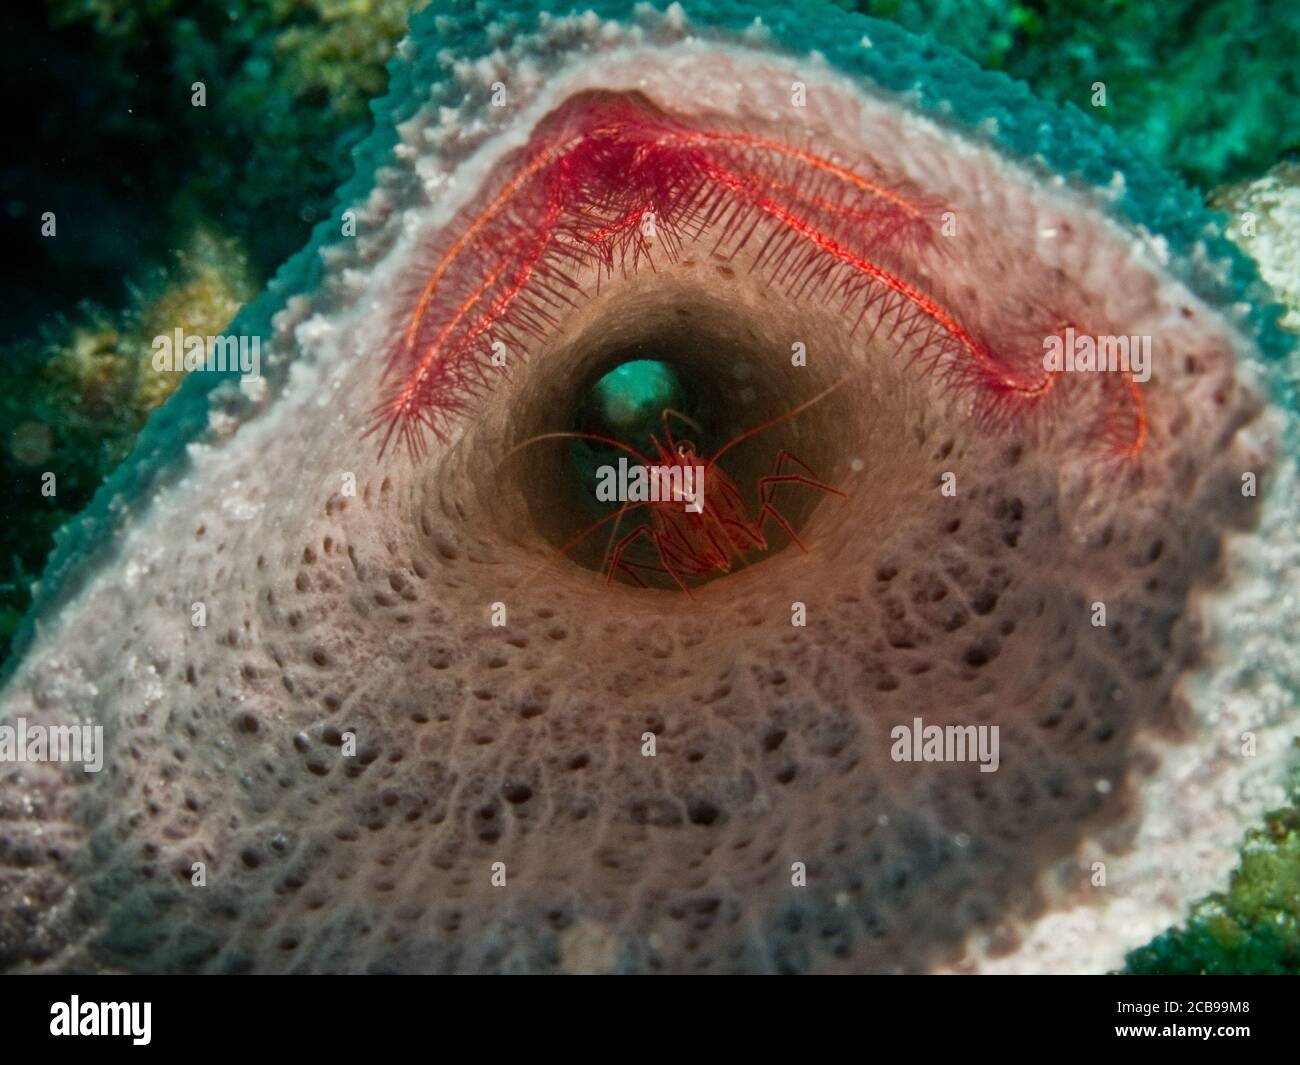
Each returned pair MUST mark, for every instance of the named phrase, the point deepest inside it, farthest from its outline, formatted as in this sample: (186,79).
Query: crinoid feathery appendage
(609,180)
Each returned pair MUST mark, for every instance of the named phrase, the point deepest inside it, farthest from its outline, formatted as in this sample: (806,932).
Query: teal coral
(1211,91)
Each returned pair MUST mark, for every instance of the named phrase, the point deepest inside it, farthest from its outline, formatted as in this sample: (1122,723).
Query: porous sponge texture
(524,744)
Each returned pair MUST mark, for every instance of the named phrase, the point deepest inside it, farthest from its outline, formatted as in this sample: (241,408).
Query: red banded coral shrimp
(696,538)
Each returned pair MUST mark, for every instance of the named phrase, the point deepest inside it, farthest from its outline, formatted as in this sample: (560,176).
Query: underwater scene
(632,488)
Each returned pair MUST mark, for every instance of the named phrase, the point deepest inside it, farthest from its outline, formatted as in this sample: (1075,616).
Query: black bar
(480,1018)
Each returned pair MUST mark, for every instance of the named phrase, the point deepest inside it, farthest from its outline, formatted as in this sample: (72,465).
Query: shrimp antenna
(699,429)
(592,437)
(561,552)
(763,426)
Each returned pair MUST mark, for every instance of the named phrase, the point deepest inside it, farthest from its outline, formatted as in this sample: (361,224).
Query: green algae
(287,87)
(82,391)
(1253,927)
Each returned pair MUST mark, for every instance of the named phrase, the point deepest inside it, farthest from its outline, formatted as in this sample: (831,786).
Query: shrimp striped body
(700,526)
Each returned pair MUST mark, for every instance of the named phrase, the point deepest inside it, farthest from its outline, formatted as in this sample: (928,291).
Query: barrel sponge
(375,777)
